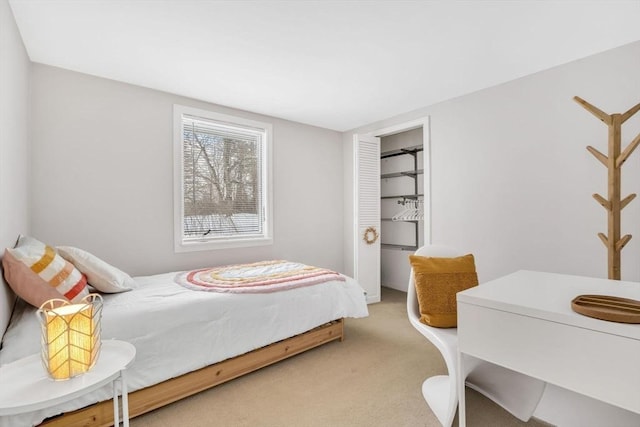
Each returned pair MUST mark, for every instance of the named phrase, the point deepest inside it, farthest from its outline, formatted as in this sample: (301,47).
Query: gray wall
(14,140)
(103,170)
(511,180)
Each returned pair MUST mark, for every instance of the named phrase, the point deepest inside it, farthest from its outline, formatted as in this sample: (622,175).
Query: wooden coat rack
(613,162)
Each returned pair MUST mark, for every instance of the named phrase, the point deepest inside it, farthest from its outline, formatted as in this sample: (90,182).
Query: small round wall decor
(370,235)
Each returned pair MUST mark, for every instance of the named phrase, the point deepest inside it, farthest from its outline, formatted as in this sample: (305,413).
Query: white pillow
(102,276)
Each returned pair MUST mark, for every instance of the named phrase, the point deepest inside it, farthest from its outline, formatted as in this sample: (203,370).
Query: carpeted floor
(371,379)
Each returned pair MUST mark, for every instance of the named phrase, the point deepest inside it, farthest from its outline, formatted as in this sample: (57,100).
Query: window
(222,185)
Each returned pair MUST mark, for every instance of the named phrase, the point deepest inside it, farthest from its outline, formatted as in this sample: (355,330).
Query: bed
(187,340)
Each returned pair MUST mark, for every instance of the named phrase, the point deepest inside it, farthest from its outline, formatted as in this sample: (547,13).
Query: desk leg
(125,399)
(462,421)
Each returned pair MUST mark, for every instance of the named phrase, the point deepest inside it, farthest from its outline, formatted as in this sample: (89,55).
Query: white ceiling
(334,64)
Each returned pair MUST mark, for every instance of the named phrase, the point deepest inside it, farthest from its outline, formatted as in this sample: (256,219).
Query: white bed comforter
(177,330)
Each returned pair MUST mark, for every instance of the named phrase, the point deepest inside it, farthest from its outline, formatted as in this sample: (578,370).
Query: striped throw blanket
(258,277)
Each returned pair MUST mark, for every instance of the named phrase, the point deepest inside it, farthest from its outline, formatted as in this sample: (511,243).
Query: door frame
(424,123)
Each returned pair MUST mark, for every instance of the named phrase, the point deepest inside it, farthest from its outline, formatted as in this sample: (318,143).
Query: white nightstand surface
(25,385)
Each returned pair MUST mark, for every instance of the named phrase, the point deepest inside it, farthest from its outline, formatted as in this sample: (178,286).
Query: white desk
(524,322)
(25,385)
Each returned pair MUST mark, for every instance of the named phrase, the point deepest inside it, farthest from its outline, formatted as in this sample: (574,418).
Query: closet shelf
(403,196)
(406,198)
(408,150)
(404,220)
(399,247)
(410,174)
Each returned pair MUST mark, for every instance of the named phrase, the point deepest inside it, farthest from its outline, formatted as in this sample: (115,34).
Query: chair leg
(441,395)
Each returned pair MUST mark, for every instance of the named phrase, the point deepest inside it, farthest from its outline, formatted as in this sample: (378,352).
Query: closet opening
(402,204)
(391,209)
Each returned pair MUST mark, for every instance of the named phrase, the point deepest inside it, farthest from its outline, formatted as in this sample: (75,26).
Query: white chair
(515,392)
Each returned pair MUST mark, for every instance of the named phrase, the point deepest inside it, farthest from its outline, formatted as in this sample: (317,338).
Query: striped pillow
(51,267)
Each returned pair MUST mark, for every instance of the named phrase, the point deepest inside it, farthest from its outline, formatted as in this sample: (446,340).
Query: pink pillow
(25,283)
(45,262)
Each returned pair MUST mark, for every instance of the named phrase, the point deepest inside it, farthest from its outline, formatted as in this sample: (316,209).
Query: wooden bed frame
(169,391)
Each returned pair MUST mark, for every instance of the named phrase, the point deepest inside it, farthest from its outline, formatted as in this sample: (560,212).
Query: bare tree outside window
(222,186)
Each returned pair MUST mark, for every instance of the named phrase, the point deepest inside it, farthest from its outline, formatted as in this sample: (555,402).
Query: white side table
(25,385)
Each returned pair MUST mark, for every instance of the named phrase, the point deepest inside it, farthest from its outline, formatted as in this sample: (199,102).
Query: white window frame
(203,244)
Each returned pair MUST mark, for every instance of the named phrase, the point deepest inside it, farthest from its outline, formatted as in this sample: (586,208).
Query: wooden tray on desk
(604,307)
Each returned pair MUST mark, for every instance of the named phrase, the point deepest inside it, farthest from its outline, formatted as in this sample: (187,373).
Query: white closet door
(367,215)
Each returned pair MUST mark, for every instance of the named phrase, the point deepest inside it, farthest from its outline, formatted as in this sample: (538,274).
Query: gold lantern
(70,336)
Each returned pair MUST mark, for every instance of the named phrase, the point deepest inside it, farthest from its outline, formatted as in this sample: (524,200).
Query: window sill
(209,245)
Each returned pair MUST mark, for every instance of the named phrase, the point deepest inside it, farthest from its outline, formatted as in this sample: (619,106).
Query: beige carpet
(373,378)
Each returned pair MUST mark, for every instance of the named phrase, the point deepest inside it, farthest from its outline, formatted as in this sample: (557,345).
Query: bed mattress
(177,330)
